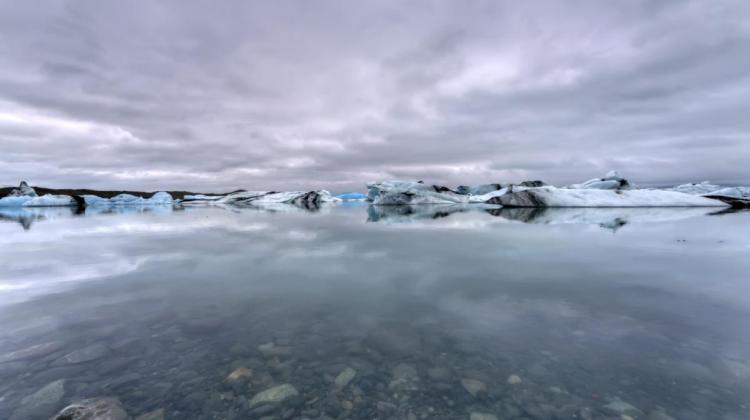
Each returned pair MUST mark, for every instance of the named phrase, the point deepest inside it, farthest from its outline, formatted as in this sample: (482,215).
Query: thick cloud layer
(209,95)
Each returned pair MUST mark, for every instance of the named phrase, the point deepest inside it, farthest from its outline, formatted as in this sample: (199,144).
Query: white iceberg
(567,197)
(738,197)
(611,181)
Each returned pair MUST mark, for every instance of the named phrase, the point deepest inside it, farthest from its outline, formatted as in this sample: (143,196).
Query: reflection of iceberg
(565,197)
(407,214)
(26,216)
(111,209)
(612,218)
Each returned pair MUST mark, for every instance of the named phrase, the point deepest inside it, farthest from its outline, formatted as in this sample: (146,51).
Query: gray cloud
(331,94)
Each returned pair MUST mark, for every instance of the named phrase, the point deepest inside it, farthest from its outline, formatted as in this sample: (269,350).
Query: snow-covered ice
(611,181)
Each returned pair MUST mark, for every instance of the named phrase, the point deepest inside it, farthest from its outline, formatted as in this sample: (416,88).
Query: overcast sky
(211,95)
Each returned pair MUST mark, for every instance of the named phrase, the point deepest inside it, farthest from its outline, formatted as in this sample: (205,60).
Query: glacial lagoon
(365,312)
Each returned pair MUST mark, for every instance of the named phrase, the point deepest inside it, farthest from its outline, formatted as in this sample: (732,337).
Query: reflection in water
(366,320)
(28,215)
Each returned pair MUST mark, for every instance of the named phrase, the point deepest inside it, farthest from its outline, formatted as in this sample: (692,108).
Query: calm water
(589,314)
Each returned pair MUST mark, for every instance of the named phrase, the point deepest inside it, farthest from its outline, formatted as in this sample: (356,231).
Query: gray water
(438,312)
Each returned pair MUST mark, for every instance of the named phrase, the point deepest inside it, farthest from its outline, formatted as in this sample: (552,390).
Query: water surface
(440,312)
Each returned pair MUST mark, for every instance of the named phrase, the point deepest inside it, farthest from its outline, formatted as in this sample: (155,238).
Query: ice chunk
(411,192)
(478,189)
(352,196)
(205,197)
(736,192)
(566,197)
(611,181)
(161,197)
(51,200)
(701,188)
(47,200)
(14,201)
(23,190)
(125,199)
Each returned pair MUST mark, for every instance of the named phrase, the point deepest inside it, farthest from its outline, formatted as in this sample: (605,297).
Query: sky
(295,95)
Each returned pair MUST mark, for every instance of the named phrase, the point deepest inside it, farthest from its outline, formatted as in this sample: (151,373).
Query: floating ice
(567,197)
(611,181)
(47,200)
(352,196)
(23,190)
(411,192)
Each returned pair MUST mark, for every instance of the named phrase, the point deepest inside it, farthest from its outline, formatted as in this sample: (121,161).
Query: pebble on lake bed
(276,394)
(239,374)
(152,415)
(94,409)
(473,386)
(514,380)
(482,416)
(343,379)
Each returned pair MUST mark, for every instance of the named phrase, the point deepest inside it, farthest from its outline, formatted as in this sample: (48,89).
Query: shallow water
(440,312)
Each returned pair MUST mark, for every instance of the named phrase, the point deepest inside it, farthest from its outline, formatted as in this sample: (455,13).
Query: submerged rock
(482,416)
(87,354)
(343,378)
(152,415)
(474,386)
(41,403)
(239,374)
(620,407)
(106,408)
(514,380)
(36,350)
(276,394)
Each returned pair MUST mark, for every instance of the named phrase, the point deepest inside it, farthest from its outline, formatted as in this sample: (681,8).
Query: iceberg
(205,197)
(411,192)
(478,189)
(159,198)
(570,197)
(738,197)
(701,188)
(611,181)
(352,196)
(23,190)
(47,200)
